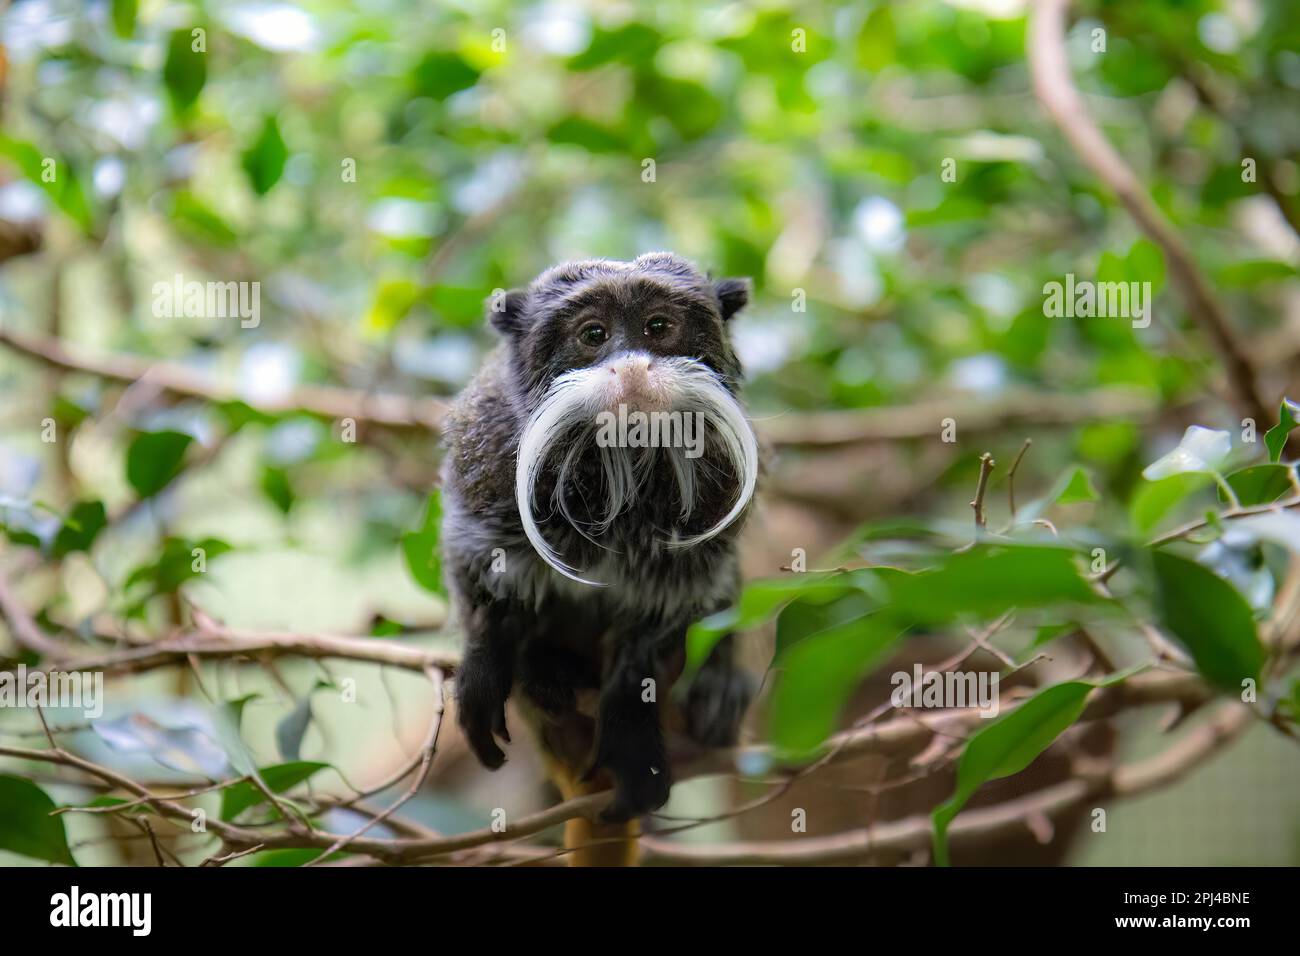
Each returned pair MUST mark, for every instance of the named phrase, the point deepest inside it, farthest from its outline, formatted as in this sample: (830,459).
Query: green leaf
(154,459)
(278,778)
(26,827)
(759,602)
(1146,263)
(394,298)
(1153,500)
(460,306)
(185,70)
(264,161)
(989,579)
(56,177)
(1045,635)
(577,131)
(690,108)
(290,731)
(1208,617)
(876,41)
(633,43)
(1078,487)
(196,220)
(227,723)
(275,485)
(439,74)
(816,677)
(123,14)
(420,548)
(176,564)
(1008,745)
(1254,272)
(80,528)
(1275,437)
(1259,484)
(813,614)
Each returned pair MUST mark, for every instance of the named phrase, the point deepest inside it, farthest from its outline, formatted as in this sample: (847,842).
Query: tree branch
(974,827)
(332,402)
(806,429)
(23,626)
(1049,67)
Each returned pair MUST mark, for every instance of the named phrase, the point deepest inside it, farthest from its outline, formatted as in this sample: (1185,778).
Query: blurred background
(881,170)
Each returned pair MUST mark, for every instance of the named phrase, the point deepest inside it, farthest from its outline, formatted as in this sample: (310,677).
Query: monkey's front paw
(642,777)
(481,715)
(638,790)
(715,705)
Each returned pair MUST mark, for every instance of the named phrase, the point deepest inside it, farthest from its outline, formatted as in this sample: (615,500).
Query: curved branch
(1055,89)
(974,827)
(23,626)
(212,640)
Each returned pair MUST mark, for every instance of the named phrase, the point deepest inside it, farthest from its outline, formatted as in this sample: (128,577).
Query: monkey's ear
(506,310)
(732,294)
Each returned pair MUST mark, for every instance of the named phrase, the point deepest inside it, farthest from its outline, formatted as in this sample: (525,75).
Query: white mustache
(574,399)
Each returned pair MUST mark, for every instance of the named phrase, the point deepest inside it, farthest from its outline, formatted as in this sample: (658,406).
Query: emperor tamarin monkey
(578,563)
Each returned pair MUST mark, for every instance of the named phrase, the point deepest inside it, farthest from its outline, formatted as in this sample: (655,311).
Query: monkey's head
(628,365)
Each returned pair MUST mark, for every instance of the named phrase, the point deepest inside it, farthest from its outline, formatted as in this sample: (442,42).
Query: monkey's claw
(479,719)
(636,792)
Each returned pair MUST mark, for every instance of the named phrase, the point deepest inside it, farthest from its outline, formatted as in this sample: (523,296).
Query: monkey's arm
(717,697)
(629,739)
(485,676)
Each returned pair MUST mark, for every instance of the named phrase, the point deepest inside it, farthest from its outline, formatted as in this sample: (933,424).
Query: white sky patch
(993,9)
(447,358)
(403,218)
(21,201)
(273,26)
(18,473)
(126,120)
(985,374)
(268,371)
(1218,33)
(764,345)
(986,147)
(879,223)
(996,295)
(491,182)
(860,284)
(29,28)
(109,176)
(557,28)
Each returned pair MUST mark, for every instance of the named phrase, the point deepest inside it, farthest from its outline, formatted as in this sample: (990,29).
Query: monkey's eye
(593,334)
(658,326)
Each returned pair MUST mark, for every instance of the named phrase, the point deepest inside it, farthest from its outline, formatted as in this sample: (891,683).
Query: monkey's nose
(630,377)
(631,368)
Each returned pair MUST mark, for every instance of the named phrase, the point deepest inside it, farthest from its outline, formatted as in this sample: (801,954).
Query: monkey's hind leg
(558,700)
(589,842)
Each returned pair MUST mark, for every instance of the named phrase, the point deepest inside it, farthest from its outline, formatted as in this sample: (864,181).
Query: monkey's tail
(590,843)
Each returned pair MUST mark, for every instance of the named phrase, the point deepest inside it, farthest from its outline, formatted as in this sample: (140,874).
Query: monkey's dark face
(602,313)
(627,384)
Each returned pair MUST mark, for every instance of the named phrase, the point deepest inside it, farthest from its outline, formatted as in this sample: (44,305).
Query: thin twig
(977,503)
(427,752)
(1011,480)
